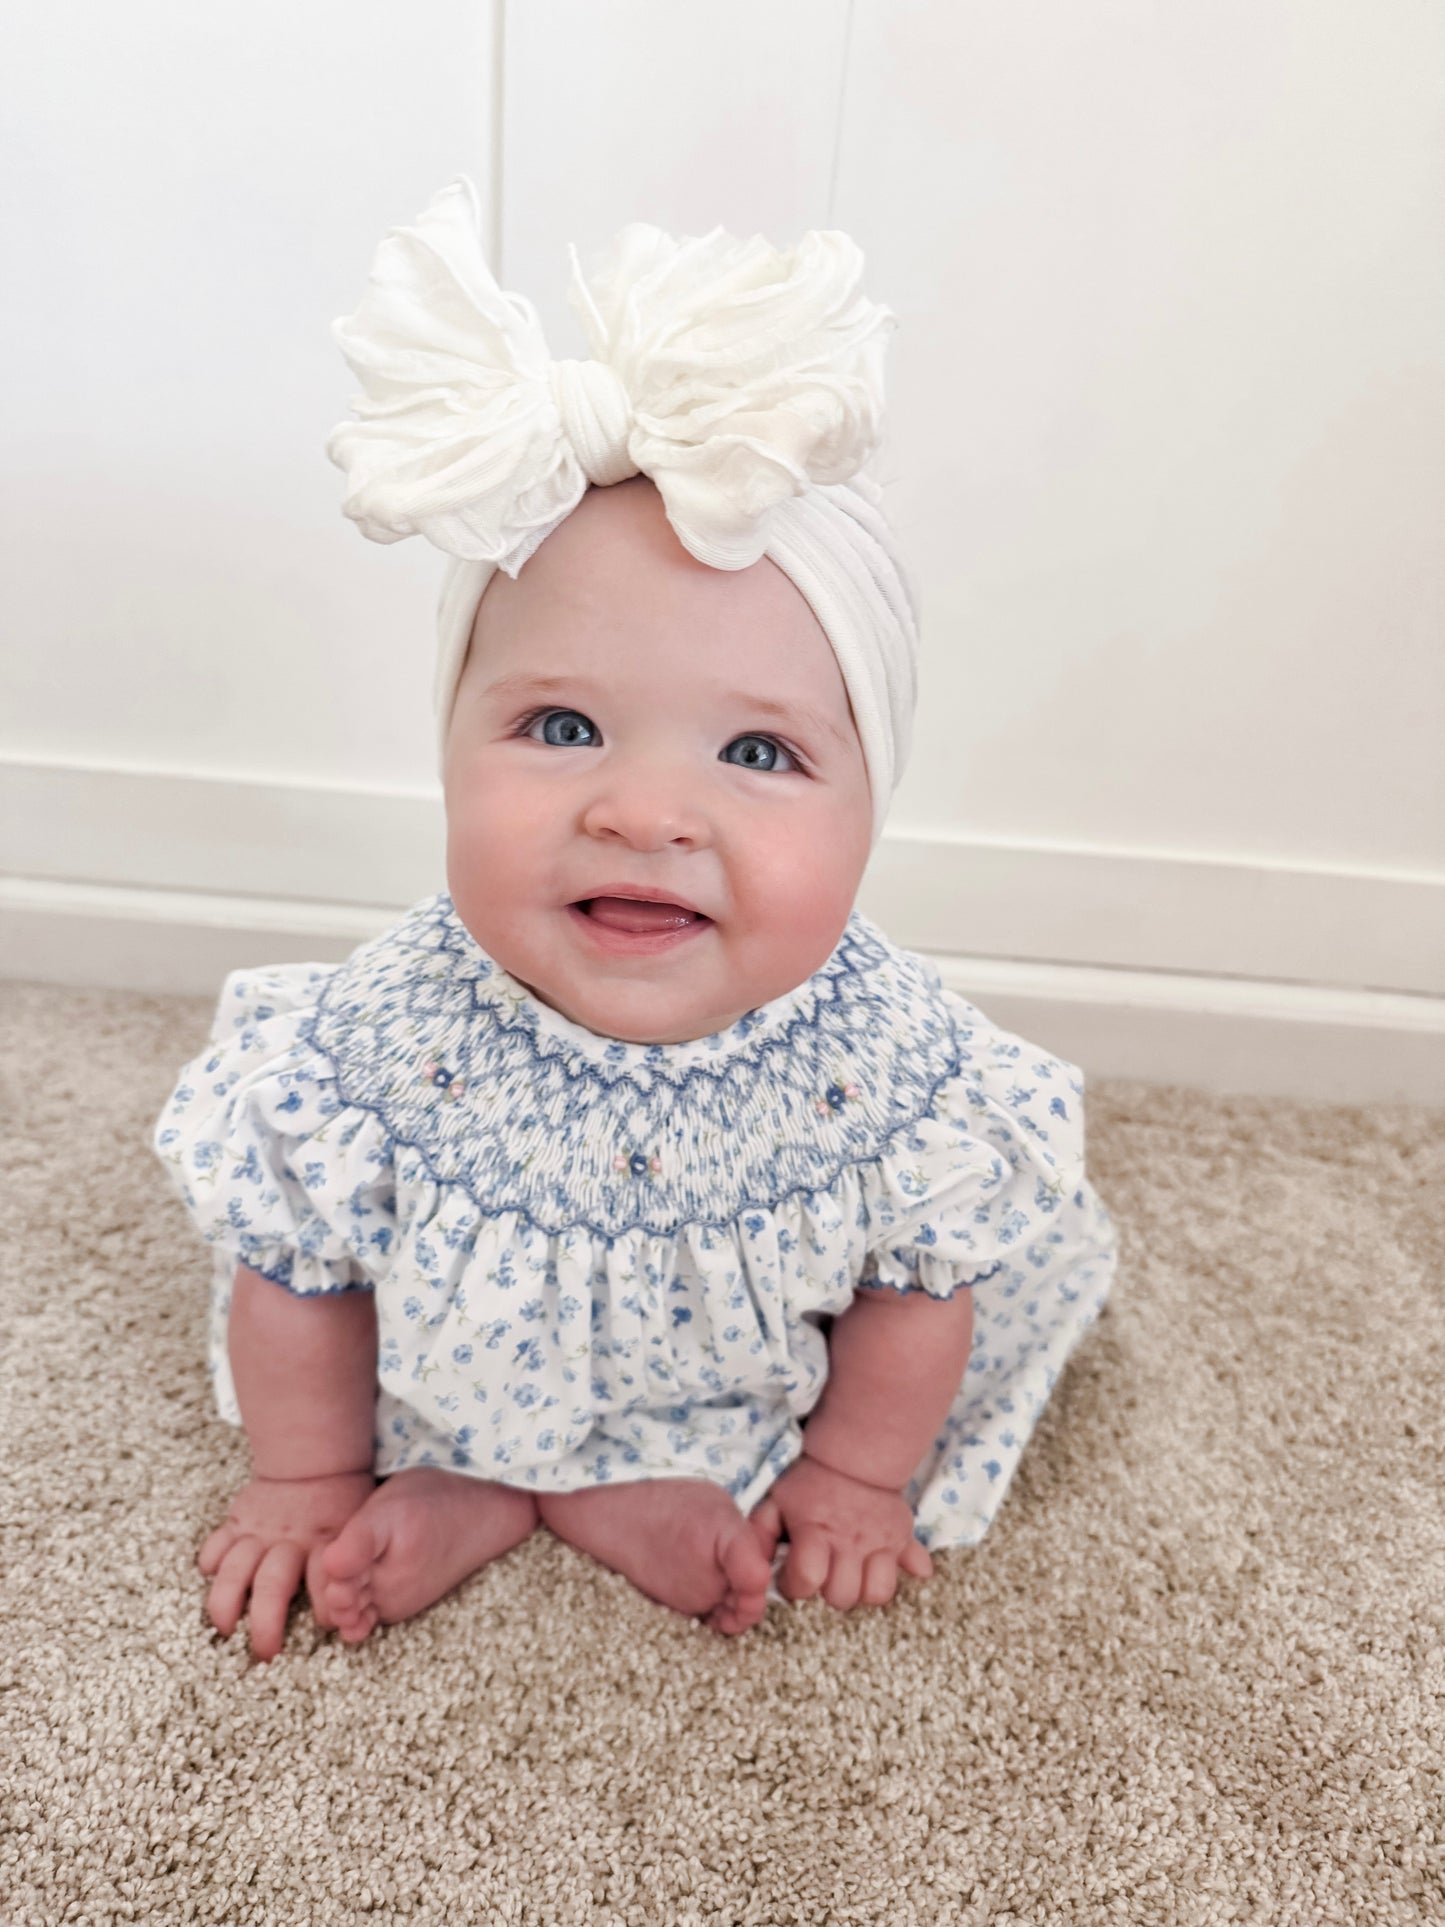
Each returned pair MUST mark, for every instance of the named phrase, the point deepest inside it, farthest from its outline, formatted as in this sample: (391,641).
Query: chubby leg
(418,1536)
(682,1542)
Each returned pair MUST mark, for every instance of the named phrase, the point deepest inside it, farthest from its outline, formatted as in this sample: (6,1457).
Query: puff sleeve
(975,1184)
(273,1168)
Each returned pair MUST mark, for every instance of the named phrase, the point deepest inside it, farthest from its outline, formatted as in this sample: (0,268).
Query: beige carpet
(1194,1674)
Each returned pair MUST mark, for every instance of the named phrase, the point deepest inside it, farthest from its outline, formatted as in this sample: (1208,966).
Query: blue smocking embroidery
(555,1124)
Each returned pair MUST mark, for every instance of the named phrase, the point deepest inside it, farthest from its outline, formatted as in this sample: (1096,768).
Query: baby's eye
(563,728)
(757,752)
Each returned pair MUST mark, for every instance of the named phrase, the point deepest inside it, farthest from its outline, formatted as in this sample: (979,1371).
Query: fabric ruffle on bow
(733,374)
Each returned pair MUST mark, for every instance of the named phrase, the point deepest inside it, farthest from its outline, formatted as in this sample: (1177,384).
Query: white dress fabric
(596,1260)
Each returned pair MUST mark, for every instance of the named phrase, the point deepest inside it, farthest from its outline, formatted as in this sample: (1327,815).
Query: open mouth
(638,916)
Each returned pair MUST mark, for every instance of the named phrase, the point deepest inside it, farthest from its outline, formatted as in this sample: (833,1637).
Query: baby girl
(637,1186)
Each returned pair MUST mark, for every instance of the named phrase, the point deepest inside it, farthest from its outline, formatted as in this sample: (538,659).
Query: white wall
(1167,451)
(190,196)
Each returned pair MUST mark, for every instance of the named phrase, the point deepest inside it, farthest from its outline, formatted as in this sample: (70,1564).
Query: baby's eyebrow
(792,713)
(521,685)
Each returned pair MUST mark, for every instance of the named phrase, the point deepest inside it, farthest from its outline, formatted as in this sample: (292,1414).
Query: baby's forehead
(615,576)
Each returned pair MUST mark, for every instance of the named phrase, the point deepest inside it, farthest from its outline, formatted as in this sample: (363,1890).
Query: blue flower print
(1058,1108)
(249,1168)
(681,1316)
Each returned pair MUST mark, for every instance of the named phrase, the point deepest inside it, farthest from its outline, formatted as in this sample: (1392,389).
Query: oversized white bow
(733,374)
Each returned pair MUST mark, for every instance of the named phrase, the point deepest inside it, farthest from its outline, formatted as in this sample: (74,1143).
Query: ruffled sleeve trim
(906,1270)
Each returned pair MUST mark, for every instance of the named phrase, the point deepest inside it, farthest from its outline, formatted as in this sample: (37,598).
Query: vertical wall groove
(499,129)
(838,118)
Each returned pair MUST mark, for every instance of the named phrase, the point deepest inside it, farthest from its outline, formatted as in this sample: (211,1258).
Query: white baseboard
(1217,1033)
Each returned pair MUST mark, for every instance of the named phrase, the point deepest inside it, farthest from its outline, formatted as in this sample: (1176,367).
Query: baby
(637,1186)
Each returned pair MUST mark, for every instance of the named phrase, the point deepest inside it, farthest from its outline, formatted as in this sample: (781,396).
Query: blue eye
(563,729)
(757,752)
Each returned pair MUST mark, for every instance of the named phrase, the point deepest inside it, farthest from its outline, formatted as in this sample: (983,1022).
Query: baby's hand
(846,1540)
(274,1531)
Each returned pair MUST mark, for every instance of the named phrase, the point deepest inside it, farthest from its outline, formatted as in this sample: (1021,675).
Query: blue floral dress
(598,1261)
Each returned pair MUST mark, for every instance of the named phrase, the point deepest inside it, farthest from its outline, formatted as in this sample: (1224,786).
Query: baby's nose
(648,807)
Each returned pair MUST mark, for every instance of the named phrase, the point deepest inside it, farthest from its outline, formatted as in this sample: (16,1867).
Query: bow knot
(735,376)
(597,418)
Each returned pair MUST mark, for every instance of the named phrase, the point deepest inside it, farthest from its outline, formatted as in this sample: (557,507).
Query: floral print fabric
(595,1260)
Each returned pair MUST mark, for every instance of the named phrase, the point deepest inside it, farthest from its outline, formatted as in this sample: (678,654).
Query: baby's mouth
(637,915)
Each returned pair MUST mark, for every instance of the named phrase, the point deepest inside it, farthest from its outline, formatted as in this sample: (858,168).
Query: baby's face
(657,807)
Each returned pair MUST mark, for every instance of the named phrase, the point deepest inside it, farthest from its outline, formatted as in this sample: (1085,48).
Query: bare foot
(681,1541)
(419,1534)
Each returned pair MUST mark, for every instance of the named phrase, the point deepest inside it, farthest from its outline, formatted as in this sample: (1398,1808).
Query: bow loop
(732,374)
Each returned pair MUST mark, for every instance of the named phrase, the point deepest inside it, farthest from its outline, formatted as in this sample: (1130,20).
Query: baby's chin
(641,1013)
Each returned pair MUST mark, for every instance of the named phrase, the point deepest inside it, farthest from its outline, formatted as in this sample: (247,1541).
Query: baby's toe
(354,1628)
(352,1553)
(738,1612)
(746,1567)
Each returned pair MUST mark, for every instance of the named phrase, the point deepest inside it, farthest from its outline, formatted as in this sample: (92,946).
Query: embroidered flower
(637,1164)
(834,1098)
(446,1081)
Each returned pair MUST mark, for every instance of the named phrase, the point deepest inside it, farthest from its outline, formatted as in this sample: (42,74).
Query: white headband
(747,384)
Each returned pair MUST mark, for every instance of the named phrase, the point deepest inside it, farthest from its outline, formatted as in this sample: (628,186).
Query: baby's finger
(231,1584)
(914,1559)
(216,1547)
(316,1588)
(880,1579)
(845,1579)
(806,1567)
(272,1591)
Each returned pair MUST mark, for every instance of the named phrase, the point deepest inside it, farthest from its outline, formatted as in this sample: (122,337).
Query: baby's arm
(895,1363)
(305,1376)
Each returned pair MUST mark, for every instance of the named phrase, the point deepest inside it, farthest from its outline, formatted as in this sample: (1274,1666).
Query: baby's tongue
(628,913)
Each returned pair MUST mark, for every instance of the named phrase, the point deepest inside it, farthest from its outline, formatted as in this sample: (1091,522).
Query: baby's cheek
(803,893)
